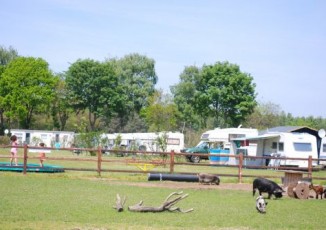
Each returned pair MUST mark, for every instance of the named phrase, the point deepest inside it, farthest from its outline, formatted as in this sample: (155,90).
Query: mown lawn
(76,201)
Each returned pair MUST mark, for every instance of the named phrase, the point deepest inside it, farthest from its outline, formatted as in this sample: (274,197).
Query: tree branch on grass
(166,206)
(119,203)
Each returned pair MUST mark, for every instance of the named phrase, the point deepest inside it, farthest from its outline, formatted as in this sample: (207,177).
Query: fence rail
(165,159)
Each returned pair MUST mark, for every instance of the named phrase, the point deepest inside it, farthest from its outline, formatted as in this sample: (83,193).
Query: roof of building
(291,129)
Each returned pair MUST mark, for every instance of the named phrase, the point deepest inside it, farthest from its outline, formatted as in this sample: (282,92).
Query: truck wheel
(195,159)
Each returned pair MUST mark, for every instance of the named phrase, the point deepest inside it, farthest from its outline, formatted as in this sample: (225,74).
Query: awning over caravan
(260,137)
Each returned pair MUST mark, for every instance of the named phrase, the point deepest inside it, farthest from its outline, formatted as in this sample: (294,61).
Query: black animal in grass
(267,186)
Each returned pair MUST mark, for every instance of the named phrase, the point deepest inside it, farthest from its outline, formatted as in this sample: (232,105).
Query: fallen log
(119,203)
(172,177)
(166,206)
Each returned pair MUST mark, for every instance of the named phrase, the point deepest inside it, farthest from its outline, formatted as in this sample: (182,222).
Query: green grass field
(82,200)
(61,201)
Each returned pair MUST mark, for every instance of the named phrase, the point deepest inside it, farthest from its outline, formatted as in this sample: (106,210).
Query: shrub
(4,140)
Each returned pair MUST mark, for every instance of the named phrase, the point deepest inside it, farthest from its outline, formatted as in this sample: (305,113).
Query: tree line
(119,95)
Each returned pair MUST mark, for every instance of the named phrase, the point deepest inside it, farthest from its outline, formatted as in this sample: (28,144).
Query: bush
(4,140)
(88,140)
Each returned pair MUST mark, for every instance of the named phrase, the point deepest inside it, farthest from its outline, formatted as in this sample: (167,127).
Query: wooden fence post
(240,168)
(25,159)
(99,160)
(172,161)
(310,166)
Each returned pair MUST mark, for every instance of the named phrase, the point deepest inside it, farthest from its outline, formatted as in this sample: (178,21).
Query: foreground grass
(62,201)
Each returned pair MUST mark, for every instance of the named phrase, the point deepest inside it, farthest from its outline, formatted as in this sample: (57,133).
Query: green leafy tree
(93,87)
(27,87)
(225,93)
(162,141)
(61,109)
(265,115)
(136,123)
(220,91)
(137,77)
(161,114)
(184,96)
(6,56)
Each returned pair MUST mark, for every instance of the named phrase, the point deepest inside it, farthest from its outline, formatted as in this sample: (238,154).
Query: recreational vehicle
(146,141)
(322,154)
(219,141)
(59,139)
(285,145)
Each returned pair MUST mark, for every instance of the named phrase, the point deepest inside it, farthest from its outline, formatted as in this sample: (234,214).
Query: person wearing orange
(42,155)
(13,150)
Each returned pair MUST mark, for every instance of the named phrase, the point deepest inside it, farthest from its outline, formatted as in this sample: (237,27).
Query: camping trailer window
(281,146)
(274,145)
(173,141)
(205,136)
(302,147)
(324,147)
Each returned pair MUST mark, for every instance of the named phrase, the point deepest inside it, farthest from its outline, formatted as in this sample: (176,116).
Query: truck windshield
(202,144)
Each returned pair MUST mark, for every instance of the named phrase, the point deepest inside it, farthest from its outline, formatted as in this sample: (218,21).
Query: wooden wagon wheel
(291,190)
(302,191)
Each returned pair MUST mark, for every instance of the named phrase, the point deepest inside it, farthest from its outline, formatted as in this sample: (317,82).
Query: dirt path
(185,185)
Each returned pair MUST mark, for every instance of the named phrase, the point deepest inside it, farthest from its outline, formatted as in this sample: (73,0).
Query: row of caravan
(64,139)
(146,141)
(279,142)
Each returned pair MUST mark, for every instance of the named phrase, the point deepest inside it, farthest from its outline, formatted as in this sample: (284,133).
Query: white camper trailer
(322,154)
(285,145)
(223,137)
(146,141)
(59,139)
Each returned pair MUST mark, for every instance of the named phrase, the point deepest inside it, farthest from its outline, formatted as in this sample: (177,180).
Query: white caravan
(58,139)
(223,137)
(146,141)
(322,154)
(285,145)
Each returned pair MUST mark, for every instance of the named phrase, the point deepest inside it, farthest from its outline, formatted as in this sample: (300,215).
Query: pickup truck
(203,147)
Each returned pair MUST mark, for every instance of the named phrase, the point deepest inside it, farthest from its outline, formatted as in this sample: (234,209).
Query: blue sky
(280,43)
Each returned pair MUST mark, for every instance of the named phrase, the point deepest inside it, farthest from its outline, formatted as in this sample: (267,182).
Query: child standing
(42,155)
(13,150)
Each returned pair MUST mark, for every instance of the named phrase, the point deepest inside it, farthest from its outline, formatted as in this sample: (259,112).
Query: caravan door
(322,155)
